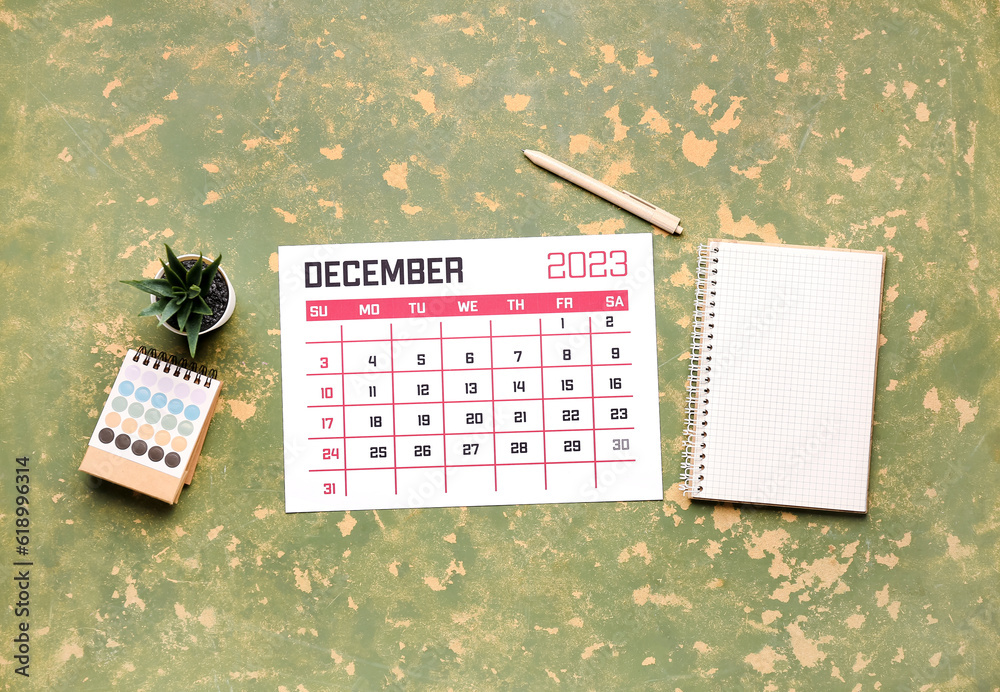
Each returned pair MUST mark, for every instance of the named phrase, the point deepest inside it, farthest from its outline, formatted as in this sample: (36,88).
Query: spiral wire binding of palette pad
(699,374)
(168,361)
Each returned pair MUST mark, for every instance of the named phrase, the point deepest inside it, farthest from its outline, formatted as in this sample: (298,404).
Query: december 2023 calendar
(469,372)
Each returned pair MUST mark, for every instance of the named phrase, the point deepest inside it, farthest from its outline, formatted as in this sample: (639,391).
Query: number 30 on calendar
(594,264)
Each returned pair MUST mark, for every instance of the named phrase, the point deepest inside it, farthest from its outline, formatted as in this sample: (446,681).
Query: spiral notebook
(150,433)
(782,375)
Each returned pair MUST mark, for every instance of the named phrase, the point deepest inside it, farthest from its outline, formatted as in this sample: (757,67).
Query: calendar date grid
(568,426)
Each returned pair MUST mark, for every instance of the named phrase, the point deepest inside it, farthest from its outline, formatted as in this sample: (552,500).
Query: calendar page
(469,372)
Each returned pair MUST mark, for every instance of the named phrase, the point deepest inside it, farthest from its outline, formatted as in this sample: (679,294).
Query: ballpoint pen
(626,200)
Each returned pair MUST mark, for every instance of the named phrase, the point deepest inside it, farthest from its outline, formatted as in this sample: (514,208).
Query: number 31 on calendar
(593,264)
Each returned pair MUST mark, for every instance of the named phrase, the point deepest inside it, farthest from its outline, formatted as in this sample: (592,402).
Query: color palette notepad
(782,383)
(150,433)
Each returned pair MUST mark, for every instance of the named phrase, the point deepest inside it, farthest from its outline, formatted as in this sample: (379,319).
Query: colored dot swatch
(151,416)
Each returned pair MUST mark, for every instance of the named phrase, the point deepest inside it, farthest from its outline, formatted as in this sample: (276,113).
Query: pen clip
(641,200)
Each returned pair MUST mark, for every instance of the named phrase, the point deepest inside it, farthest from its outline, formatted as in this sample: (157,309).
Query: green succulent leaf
(209,277)
(170,310)
(201,307)
(158,287)
(194,326)
(177,292)
(183,314)
(194,273)
(193,292)
(171,275)
(175,263)
(154,309)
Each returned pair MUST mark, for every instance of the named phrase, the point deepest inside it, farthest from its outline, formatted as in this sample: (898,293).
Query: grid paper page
(794,346)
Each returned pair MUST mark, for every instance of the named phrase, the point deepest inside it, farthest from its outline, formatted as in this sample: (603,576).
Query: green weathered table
(235,127)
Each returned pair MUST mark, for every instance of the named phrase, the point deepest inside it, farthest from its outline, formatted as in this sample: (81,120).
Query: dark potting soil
(217,299)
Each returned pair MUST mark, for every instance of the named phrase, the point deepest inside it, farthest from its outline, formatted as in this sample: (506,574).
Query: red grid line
(432,370)
(486,465)
(493,409)
(343,409)
(475,336)
(541,356)
(494,433)
(478,401)
(444,447)
(392,380)
(593,403)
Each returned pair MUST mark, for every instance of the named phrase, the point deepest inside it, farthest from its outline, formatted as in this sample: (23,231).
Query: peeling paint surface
(233,128)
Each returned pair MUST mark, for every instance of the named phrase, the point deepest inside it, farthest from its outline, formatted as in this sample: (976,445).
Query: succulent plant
(181,294)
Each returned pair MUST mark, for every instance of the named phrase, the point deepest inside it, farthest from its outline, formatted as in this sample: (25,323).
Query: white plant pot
(230,305)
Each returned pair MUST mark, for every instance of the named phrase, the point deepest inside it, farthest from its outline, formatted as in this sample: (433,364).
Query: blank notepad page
(786,391)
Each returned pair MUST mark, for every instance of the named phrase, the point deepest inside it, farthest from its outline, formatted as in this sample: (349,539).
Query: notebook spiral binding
(699,377)
(192,372)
